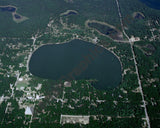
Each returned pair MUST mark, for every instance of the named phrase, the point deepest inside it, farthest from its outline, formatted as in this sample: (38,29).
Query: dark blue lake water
(8,9)
(77,60)
(152,3)
(17,16)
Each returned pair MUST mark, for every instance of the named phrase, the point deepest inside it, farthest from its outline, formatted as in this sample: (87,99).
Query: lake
(106,30)
(152,3)
(77,60)
(8,9)
(17,16)
(71,13)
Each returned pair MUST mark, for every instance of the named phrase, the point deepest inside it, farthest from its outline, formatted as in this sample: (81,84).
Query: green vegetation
(118,107)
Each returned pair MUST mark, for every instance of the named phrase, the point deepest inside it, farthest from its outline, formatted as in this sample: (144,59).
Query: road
(136,67)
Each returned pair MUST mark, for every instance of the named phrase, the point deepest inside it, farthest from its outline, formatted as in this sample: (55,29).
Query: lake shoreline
(30,55)
(14,13)
(110,53)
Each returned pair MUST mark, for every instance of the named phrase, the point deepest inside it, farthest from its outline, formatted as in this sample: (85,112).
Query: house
(29,111)
(67,84)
